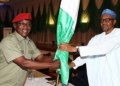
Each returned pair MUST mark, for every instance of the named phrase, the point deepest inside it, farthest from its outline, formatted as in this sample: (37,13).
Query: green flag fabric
(66,23)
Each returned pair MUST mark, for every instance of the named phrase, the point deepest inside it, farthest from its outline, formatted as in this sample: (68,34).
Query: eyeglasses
(106,20)
(23,24)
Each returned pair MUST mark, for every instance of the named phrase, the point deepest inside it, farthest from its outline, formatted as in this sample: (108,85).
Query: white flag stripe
(71,7)
(75,20)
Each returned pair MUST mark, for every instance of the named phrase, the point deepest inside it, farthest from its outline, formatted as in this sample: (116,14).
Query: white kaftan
(102,58)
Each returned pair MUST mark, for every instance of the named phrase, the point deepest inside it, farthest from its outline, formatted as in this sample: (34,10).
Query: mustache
(104,25)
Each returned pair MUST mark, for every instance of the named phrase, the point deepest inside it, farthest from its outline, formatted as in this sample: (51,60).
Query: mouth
(25,31)
(104,26)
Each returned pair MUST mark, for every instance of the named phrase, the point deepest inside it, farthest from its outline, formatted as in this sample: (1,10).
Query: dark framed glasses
(106,20)
(23,24)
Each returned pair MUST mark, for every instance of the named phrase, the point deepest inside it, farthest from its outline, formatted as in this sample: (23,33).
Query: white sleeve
(99,48)
(78,62)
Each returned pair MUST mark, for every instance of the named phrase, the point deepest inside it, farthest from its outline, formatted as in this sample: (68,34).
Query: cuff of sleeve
(78,62)
(9,60)
(77,47)
(37,53)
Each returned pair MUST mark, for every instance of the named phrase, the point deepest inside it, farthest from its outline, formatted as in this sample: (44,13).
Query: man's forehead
(25,20)
(106,16)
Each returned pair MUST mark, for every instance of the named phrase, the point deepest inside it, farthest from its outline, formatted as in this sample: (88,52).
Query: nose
(103,22)
(25,26)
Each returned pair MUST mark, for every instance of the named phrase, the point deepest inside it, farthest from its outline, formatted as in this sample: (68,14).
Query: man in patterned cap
(18,53)
(101,55)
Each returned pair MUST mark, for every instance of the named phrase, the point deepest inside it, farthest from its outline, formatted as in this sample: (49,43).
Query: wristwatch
(77,47)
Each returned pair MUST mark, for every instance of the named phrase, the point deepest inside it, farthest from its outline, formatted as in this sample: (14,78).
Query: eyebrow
(107,18)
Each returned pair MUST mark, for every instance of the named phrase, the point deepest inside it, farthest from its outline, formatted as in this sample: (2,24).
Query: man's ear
(115,22)
(14,25)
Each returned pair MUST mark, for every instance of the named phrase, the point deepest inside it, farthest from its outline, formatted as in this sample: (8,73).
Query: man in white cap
(101,55)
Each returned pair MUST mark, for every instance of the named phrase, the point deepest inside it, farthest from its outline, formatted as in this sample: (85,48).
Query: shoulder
(10,39)
(31,42)
(98,36)
(117,31)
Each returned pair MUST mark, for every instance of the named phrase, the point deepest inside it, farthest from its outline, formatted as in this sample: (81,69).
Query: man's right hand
(67,47)
(55,64)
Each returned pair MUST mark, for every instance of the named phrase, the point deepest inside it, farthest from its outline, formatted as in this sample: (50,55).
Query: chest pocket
(29,52)
(26,50)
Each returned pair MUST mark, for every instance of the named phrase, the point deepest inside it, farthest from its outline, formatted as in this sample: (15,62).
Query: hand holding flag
(65,29)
